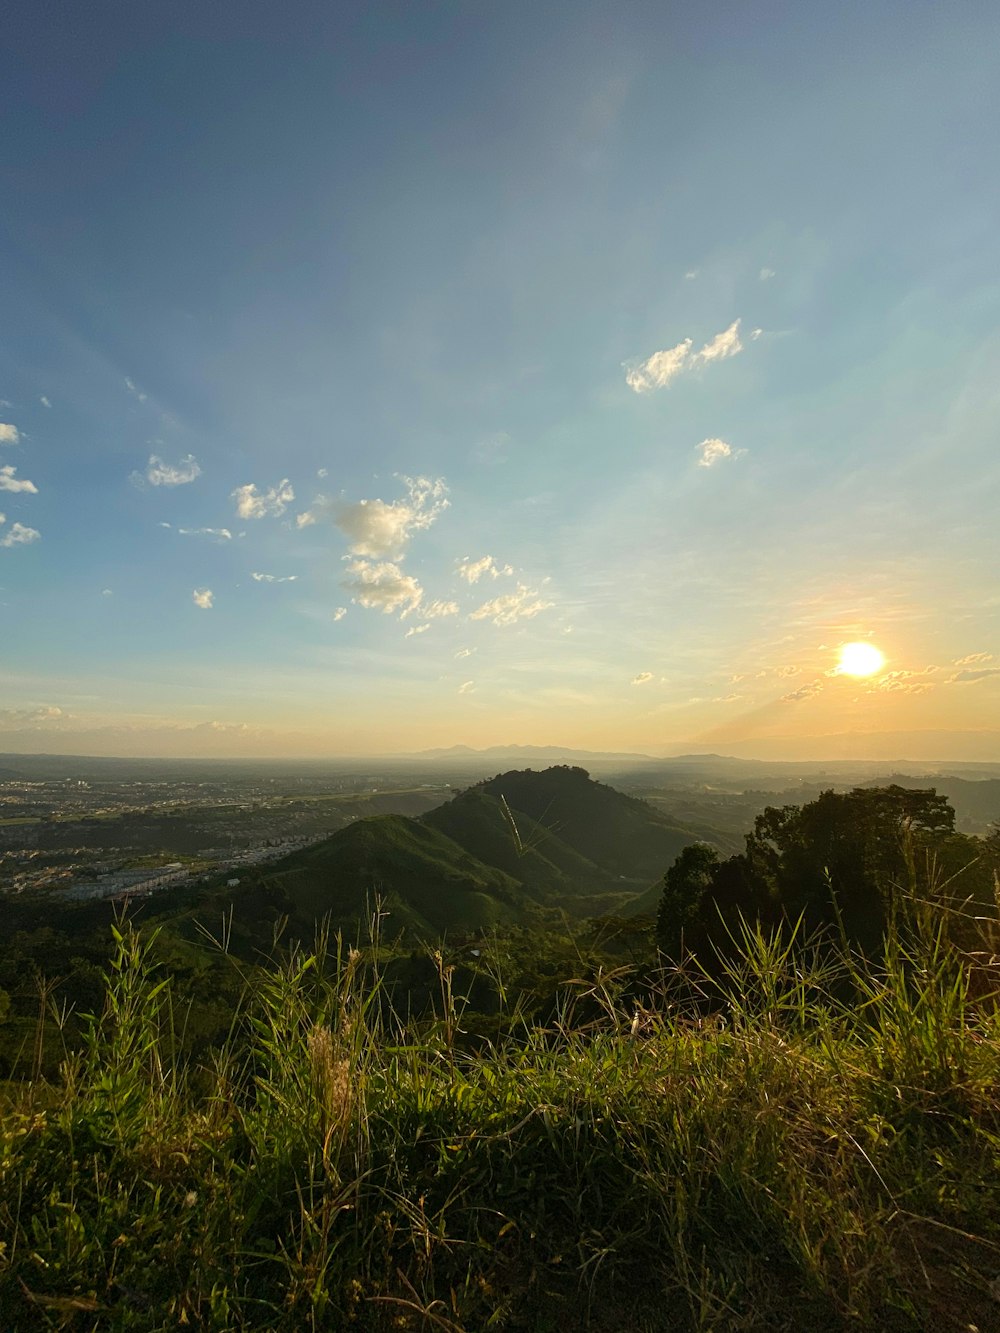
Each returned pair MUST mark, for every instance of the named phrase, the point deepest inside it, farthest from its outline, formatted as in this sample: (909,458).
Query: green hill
(563,841)
(546,866)
(427,882)
(620,835)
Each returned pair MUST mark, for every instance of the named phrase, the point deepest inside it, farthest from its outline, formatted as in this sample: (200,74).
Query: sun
(859,659)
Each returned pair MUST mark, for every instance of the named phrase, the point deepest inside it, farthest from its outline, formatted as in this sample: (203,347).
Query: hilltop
(562,840)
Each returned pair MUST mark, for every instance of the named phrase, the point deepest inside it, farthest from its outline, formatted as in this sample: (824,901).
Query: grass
(817,1149)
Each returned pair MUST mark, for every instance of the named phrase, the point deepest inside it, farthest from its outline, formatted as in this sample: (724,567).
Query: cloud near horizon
(970,677)
(662,368)
(273,578)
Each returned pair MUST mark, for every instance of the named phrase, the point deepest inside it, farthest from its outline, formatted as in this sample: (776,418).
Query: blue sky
(687,317)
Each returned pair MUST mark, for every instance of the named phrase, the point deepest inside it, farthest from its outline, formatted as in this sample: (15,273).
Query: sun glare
(860,659)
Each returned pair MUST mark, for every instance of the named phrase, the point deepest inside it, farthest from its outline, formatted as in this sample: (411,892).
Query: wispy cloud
(465,652)
(435,610)
(522,604)
(766,274)
(339,614)
(375,528)
(723,345)
(220,534)
(159,473)
(417,629)
(383,587)
(691,274)
(252,503)
(970,677)
(9,482)
(44,401)
(273,578)
(45,715)
(9,433)
(972,658)
(643,678)
(203,597)
(803,692)
(662,368)
(466,687)
(134,390)
(473,570)
(711,452)
(18,535)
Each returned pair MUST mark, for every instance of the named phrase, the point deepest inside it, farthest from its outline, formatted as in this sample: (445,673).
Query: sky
(381,377)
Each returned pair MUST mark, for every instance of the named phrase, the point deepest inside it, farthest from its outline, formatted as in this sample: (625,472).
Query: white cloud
(691,274)
(203,597)
(755,334)
(251,503)
(664,367)
(44,401)
(322,472)
(16,719)
(135,390)
(220,534)
(274,578)
(473,570)
(522,604)
(466,687)
(107,592)
(973,658)
(305,520)
(9,434)
(375,528)
(723,345)
(643,678)
(8,482)
(465,652)
(18,535)
(714,451)
(383,587)
(159,473)
(660,369)
(417,629)
(339,614)
(435,610)
(766,274)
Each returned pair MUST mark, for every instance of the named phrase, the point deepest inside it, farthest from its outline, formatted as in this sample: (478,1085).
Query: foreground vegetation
(802,1139)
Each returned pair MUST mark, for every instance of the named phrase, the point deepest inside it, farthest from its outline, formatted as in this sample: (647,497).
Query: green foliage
(843,863)
(791,1160)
